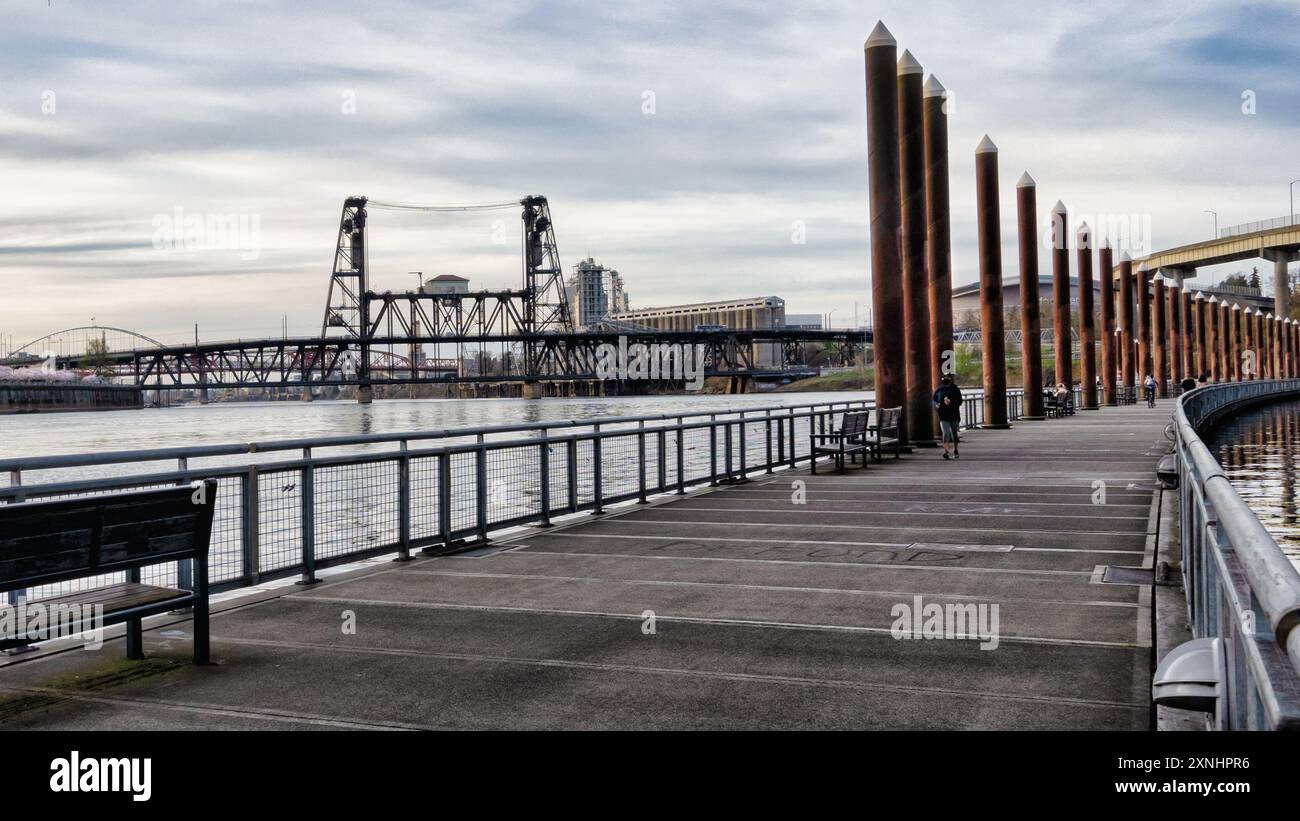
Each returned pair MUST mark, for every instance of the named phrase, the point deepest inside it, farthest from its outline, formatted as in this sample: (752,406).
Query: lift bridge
(524,335)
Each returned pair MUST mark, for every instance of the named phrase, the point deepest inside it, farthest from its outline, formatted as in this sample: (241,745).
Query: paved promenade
(766,613)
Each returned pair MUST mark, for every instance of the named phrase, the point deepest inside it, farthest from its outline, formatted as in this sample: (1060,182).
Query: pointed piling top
(1083,228)
(934,88)
(1059,208)
(1158,279)
(907,64)
(880,36)
(1268,316)
(1236,307)
(1125,257)
(1214,300)
(1249,311)
(1173,283)
(1287,320)
(1142,268)
(1026,181)
(1199,295)
(986,146)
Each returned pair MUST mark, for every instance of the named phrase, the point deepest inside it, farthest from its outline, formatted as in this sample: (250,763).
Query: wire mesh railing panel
(557,460)
(279,519)
(586,476)
(424,517)
(697,454)
(513,483)
(226,545)
(619,458)
(357,507)
(464,491)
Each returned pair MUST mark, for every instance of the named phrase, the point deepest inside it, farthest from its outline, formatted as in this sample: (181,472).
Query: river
(1259,450)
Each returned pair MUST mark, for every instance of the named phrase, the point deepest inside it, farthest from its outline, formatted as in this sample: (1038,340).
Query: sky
(687,145)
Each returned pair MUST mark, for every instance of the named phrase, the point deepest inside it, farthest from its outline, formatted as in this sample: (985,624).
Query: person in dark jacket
(947,401)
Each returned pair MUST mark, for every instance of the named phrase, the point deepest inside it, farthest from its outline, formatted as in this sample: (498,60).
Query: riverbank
(33,397)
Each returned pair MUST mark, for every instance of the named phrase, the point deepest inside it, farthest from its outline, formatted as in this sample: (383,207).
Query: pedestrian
(947,402)
(1150,384)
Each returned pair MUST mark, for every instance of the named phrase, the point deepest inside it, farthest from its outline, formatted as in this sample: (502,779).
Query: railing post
(681,457)
(598,497)
(184,567)
(251,551)
(744,467)
(713,449)
(544,452)
(571,458)
(662,440)
(726,435)
(481,487)
(767,439)
(404,504)
(308,482)
(780,441)
(640,463)
(16,481)
(794,447)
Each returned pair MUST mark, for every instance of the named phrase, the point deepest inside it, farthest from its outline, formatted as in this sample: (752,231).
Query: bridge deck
(768,614)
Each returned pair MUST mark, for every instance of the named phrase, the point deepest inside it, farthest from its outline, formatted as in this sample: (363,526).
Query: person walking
(947,402)
(1150,384)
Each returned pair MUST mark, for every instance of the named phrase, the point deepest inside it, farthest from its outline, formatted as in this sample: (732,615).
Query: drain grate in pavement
(1126,575)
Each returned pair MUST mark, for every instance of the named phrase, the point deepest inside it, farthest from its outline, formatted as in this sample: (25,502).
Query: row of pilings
(1156,327)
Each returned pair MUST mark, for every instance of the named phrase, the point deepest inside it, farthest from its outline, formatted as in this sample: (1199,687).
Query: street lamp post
(1216,221)
(1292,192)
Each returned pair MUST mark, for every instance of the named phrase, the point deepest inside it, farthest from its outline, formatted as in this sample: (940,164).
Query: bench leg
(134,639)
(201,645)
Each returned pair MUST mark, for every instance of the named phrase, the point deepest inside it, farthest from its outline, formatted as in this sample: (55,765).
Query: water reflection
(1258,452)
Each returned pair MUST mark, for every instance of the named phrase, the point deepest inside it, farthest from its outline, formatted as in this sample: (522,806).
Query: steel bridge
(383,338)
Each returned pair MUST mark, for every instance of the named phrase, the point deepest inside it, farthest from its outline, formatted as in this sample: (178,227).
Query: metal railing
(1260,225)
(1240,586)
(288,509)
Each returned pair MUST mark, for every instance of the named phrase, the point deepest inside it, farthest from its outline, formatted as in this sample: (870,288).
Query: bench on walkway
(847,441)
(1057,407)
(45,543)
(883,432)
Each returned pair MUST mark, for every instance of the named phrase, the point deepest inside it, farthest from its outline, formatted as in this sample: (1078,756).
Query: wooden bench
(847,441)
(49,542)
(884,433)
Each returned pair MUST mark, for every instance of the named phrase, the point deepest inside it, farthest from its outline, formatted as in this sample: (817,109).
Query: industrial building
(754,313)
(446,284)
(594,292)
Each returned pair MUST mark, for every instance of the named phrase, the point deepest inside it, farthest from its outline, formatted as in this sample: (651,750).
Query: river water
(1259,450)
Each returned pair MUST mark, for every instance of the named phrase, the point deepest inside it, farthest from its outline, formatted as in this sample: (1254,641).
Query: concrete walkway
(728,608)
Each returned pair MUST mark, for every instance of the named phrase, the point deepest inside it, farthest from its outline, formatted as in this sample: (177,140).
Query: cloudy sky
(678,142)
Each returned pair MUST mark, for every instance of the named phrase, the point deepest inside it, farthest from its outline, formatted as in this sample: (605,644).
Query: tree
(1254,278)
(1235,279)
(97,359)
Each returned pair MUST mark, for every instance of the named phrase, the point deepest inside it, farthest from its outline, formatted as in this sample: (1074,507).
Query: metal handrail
(1240,586)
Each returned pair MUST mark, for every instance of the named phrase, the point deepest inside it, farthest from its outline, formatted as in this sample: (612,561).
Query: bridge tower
(347,306)
(546,307)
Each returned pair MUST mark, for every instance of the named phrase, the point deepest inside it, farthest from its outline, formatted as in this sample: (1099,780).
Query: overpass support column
(1105,264)
(880,54)
(989,227)
(1031,345)
(916,286)
(1087,331)
(1189,336)
(939,232)
(1281,257)
(1126,341)
(1160,333)
(1061,297)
